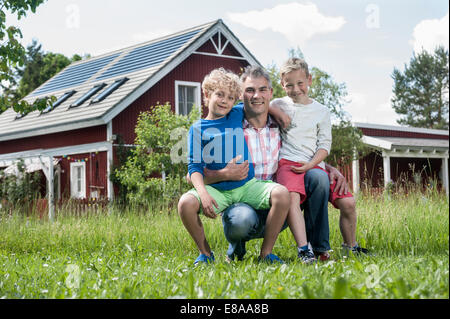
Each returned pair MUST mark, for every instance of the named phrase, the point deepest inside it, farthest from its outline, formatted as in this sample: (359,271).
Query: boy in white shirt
(306,142)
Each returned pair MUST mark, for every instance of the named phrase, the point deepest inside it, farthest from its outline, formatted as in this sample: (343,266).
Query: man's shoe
(322,255)
(238,251)
(306,256)
(271,259)
(356,250)
(202,258)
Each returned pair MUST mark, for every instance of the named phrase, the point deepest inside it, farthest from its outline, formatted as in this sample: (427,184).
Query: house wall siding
(96,176)
(60,139)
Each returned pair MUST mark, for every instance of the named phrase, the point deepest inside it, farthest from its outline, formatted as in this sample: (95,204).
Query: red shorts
(296,182)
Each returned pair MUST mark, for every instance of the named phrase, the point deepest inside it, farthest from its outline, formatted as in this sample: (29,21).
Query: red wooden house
(100,98)
(401,154)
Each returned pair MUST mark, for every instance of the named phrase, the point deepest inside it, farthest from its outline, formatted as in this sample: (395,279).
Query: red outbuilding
(402,155)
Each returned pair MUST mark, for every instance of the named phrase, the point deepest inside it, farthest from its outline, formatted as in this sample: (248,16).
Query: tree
(421,92)
(39,66)
(161,139)
(347,144)
(12,53)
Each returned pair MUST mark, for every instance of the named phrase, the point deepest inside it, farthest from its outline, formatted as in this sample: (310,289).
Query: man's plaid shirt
(264,145)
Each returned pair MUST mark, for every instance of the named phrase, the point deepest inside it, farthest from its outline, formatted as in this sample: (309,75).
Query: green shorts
(255,193)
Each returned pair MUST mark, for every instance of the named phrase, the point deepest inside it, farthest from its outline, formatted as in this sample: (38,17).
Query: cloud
(428,34)
(362,110)
(297,22)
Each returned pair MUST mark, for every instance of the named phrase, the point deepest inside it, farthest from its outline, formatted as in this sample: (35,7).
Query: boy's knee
(280,196)
(347,205)
(188,203)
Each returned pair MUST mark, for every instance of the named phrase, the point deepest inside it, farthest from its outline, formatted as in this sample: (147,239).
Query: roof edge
(401,128)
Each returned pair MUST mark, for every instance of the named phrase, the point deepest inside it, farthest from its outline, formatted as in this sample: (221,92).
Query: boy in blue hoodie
(212,143)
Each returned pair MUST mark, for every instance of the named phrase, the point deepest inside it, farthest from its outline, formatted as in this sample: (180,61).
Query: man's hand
(236,172)
(280,117)
(207,205)
(341,183)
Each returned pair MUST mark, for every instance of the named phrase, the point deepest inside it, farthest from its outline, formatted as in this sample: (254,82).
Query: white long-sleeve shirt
(309,131)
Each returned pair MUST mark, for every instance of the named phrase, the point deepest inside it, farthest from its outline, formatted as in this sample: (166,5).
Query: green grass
(136,255)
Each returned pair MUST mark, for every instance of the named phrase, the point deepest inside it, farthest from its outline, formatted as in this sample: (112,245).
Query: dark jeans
(242,223)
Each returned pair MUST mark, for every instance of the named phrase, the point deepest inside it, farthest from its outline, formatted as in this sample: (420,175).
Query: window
(109,90)
(90,93)
(187,94)
(78,180)
(59,101)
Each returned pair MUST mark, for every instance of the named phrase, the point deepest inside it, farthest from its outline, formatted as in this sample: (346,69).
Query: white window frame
(198,94)
(73,191)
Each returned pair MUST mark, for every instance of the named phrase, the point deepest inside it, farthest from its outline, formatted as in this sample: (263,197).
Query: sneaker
(202,258)
(238,251)
(271,259)
(306,256)
(356,250)
(359,250)
(322,255)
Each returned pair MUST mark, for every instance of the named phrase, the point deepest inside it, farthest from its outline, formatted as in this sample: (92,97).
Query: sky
(357,42)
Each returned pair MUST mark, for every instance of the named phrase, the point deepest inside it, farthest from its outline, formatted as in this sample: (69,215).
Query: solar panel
(86,96)
(59,101)
(109,90)
(75,75)
(147,56)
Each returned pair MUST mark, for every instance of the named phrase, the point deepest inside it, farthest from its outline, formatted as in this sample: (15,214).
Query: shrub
(19,191)
(161,139)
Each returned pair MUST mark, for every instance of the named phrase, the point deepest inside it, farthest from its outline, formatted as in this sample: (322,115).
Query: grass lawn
(150,255)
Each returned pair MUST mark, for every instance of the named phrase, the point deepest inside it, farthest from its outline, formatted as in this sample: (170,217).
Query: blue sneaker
(202,258)
(271,259)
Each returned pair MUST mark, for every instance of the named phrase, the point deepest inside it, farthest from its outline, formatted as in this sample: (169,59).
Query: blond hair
(221,78)
(294,64)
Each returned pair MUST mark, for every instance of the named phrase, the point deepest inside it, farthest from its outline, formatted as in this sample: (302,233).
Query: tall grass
(135,253)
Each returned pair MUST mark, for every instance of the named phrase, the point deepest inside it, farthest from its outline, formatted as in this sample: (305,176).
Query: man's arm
(231,172)
(283,119)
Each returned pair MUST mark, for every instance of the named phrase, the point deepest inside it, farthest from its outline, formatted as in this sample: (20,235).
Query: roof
(141,66)
(415,142)
(401,128)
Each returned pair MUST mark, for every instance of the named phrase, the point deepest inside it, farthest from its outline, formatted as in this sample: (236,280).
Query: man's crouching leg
(240,224)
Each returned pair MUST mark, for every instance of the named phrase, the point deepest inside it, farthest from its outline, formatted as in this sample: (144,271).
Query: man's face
(257,95)
(296,85)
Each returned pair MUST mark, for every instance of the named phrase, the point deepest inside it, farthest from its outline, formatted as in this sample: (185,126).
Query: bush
(19,191)
(161,139)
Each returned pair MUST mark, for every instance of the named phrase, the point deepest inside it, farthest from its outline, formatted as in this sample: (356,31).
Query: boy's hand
(207,205)
(303,169)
